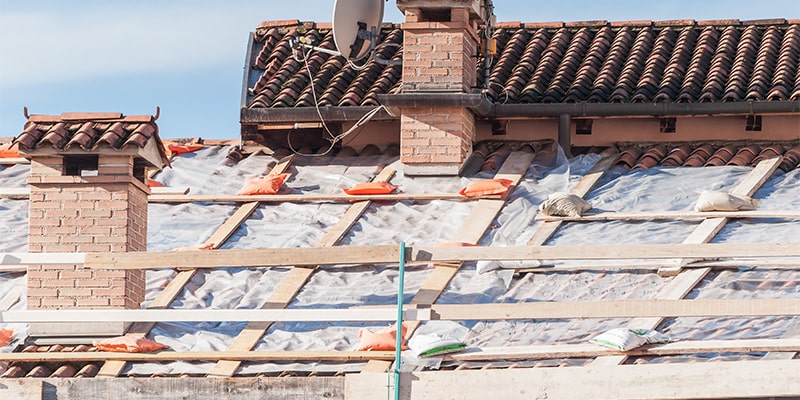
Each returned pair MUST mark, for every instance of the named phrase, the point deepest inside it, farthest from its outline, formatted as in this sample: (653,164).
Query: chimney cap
(93,133)
(475,6)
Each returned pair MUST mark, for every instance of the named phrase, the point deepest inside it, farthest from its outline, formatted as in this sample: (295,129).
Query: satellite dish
(356,24)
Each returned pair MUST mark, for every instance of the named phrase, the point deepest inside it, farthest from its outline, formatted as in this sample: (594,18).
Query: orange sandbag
(371,188)
(268,184)
(6,151)
(486,187)
(154,183)
(177,149)
(384,339)
(6,336)
(129,344)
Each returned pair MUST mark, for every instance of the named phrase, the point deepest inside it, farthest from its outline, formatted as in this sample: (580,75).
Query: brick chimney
(88,194)
(440,46)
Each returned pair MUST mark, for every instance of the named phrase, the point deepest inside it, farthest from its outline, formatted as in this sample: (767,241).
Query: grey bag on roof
(562,204)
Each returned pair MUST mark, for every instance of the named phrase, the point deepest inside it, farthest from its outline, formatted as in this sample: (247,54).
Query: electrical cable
(333,138)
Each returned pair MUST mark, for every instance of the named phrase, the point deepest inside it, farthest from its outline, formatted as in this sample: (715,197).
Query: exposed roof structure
(543,170)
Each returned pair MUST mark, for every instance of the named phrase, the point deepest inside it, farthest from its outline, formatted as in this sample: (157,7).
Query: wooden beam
(615,309)
(390,254)
(175,286)
(14,160)
(281,355)
(291,284)
(41,258)
(658,264)
(194,388)
(588,350)
(156,197)
(670,215)
(448,312)
(164,190)
(308,198)
(685,281)
(242,258)
(12,297)
(705,380)
(584,186)
(550,351)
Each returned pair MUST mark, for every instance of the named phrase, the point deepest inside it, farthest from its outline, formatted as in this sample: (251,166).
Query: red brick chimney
(88,194)
(440,47)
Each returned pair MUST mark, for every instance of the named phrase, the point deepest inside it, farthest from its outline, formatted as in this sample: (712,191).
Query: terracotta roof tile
(52,370)
(584,61)
(88,130)
(707,154)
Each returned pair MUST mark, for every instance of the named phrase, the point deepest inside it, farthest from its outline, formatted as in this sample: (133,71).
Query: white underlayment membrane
(426,223)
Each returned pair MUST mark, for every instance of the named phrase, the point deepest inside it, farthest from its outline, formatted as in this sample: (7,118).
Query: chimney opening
(81,165)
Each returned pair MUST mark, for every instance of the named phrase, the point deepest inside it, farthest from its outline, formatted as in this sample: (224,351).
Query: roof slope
(599,62)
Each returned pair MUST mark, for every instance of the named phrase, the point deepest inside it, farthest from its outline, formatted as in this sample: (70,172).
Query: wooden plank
(41,258)
(164,190)
(390,254)
(243,258)
(194,388)
(291,284)
(584,186)
(671,215)
(582,350)
(14,160)
(229,227)
(15,193)
(11,297)
(588,350)
(705,380)
(615,309)
(449,312)
(604,252)
(175,286)
(683,284)
(309,198)
(278,355)
(659,264)
(792,332)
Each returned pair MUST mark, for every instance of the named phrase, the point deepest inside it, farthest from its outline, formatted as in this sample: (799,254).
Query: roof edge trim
(644,109)
(309,114)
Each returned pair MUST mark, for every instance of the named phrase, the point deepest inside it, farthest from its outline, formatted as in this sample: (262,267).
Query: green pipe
(399,326)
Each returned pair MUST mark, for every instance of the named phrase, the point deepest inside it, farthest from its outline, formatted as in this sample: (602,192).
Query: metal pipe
(564,134)
(247,70)
(399,326)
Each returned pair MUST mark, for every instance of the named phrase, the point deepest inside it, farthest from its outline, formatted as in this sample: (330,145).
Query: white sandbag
(562,204)
(485,266)
(434,344)
(710,200)
(626,338)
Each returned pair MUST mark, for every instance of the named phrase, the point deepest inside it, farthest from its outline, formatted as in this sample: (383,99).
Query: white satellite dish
(356,25)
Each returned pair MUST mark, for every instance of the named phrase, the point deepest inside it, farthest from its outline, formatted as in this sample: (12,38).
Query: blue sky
(187,56)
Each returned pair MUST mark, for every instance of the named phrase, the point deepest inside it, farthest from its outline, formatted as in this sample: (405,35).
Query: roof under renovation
(272,295)
(624,188)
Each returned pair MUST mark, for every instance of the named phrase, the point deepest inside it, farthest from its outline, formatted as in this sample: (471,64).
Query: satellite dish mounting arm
(363,34)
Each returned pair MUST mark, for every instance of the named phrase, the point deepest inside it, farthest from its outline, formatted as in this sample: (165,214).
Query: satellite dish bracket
(363,34)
